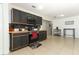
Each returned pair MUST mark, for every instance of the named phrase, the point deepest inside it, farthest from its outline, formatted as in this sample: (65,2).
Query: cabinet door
(42,35)
(38,20)
(31,20)
(15,15)
(16,43)
(23,17)
(18,40)
(45,35)
(24,41)
(35,18)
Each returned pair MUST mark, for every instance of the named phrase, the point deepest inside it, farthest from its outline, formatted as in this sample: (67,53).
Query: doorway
(49,28)
(47,25)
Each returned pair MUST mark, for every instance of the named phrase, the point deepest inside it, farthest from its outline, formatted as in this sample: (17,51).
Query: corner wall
(4,36)
(5,28)
(1,30)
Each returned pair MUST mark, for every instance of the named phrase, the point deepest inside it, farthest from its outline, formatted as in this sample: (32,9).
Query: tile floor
(52,46)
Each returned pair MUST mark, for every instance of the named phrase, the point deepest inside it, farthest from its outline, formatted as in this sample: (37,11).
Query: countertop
(22,31)
(43,30)
(18,31)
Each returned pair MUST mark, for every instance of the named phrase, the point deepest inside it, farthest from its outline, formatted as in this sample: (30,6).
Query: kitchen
(21,26)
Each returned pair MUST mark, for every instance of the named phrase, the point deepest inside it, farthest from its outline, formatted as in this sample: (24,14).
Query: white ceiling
(53,10)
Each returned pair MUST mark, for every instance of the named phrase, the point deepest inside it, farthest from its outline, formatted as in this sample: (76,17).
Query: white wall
(5,28)
(1,34)
(4,38)
(61,24)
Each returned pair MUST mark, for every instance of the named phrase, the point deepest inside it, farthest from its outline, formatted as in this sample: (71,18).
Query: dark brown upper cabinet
(19,16)
(16,17)
(38,20)
(31,19)
(25,18)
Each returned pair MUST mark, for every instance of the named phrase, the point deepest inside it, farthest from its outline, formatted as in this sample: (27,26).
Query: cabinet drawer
(19,34)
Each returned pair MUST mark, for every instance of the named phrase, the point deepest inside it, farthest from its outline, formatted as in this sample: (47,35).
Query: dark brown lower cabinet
(18,40)
(24,40)
(42,35)
(15,43)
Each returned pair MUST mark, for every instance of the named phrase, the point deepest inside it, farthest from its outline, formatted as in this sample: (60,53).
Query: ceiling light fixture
(62,15)
(40,7)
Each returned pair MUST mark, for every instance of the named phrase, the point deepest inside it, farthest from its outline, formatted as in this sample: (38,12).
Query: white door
(49,28)
(1,35)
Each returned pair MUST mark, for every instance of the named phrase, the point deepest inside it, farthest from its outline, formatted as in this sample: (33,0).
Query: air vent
(33,6)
